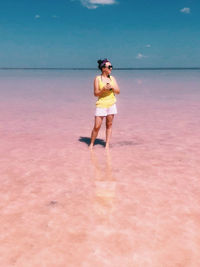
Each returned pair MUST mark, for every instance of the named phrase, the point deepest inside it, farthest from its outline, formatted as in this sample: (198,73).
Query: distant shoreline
(163,68)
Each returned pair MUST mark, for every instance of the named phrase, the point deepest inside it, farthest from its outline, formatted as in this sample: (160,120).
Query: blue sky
(75,33)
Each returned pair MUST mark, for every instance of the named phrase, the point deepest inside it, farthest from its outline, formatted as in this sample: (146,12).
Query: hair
(102,63)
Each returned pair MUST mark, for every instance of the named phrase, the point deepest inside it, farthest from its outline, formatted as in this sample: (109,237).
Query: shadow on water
(87,141)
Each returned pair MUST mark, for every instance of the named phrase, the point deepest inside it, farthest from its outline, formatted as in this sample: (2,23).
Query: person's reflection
(105,185)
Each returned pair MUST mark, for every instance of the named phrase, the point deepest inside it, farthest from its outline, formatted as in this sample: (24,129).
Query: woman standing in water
(105,88)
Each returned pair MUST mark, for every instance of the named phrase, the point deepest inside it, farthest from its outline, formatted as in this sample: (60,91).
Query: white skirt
(106,111)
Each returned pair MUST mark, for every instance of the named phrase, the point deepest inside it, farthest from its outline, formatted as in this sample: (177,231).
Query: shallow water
(134,205)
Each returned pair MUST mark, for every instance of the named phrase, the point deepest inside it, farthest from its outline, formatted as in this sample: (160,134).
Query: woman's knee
(97,127)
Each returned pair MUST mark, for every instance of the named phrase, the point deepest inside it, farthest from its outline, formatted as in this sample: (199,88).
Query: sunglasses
(110,67)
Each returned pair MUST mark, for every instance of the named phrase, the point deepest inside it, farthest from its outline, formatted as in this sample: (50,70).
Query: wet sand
(135,205)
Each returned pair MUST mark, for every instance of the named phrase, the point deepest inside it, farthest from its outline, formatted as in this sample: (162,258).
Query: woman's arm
(115,88)
(97,91)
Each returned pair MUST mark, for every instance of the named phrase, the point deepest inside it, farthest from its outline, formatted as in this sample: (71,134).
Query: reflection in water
(105,185)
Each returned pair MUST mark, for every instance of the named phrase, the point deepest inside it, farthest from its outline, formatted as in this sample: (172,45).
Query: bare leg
(109,120)
(97,125)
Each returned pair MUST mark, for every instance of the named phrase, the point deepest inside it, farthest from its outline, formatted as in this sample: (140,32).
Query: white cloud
(148,45)
(92,4)
(37,16)
(185,10)
(140,56)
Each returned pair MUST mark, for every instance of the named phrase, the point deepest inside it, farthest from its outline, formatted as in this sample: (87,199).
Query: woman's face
(108,68)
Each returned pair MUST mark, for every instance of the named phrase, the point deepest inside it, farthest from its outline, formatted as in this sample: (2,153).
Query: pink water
(135,205)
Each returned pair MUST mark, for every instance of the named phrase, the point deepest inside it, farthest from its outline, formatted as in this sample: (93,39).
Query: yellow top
(107,99)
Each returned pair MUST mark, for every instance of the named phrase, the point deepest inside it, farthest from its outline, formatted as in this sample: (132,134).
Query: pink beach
(134,205)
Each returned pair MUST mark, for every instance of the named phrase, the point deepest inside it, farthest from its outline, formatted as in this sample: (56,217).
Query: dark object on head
(102,63)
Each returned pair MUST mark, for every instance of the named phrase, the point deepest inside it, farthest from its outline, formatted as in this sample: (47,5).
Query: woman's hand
(107,87)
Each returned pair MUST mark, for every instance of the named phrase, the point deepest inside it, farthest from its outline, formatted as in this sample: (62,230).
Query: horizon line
(90,68)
